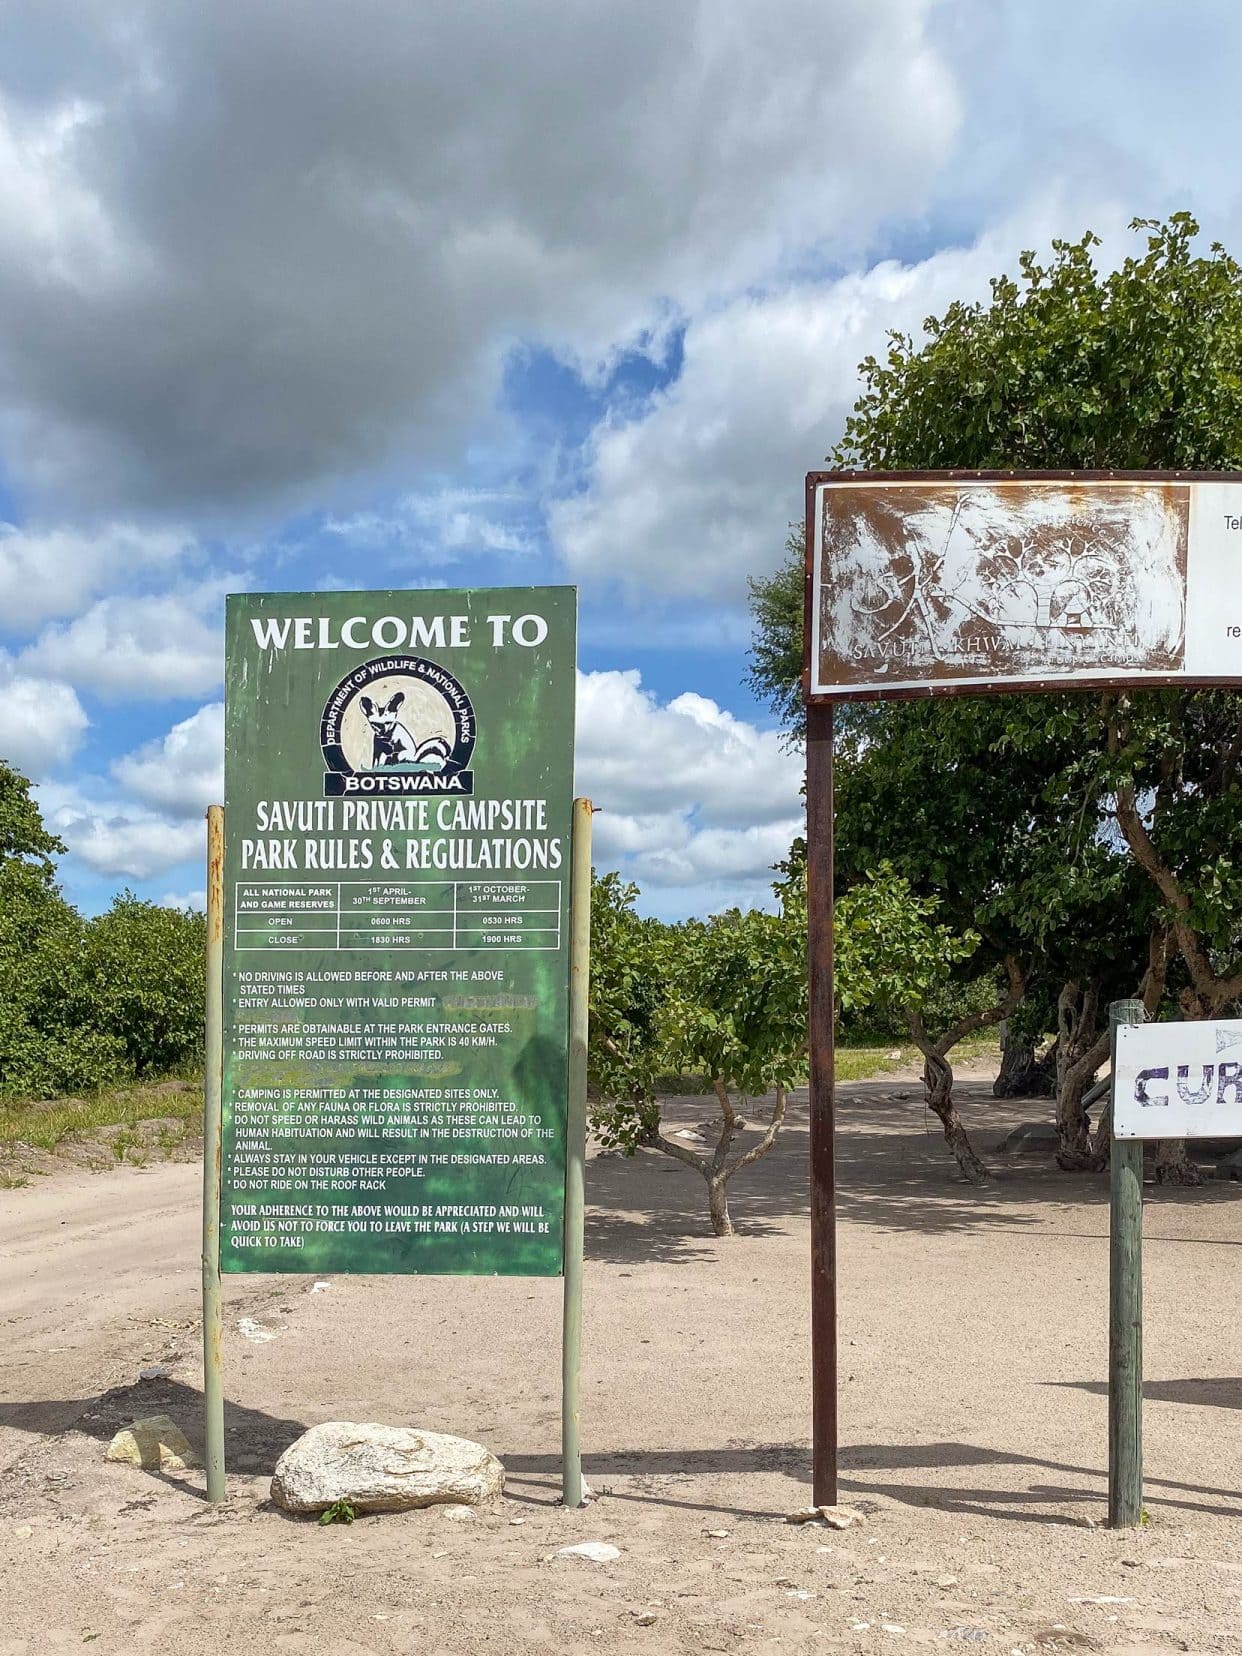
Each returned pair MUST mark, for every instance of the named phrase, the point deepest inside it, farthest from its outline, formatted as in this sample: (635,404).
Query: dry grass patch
(166,1111)
(864,1063)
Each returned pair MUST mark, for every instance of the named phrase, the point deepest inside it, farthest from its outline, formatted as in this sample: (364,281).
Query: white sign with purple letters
(1178,1080)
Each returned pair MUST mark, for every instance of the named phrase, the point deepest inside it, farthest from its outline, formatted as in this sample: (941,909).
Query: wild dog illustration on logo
(394,745)
(397,725)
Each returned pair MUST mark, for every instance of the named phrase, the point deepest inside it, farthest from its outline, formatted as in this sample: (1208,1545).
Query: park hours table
(398,914)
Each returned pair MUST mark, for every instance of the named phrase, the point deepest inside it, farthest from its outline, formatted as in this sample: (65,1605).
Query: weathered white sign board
(1178,1080)
(930,584)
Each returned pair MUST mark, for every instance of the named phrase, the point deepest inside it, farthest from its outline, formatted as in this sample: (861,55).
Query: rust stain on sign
(937,581)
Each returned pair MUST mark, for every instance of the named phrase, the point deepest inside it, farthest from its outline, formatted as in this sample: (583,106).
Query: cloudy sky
(463,293)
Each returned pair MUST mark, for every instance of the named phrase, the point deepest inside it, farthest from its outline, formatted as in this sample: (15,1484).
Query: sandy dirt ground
(973,1414)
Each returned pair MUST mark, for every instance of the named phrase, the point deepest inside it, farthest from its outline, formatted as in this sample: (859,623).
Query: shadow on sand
(254,1441)
(1222,1392)
(894,1172)
(668,1477)
(680,1478)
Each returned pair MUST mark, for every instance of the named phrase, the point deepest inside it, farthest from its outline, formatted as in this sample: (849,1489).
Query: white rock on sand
(383,1469)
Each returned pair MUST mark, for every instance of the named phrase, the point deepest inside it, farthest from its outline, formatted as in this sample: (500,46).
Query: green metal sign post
(398,1048)
(1125,1304)
(575,1155)
(213,1321)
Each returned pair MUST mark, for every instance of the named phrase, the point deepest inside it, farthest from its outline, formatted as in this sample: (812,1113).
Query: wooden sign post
(1125,1307)
(1169,1080)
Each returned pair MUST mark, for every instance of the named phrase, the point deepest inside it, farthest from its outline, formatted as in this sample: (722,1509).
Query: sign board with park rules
(398,787)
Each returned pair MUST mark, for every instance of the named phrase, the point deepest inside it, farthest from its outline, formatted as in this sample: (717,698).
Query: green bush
(42,1064)
(85,1003)
(146,985)
(43,1001)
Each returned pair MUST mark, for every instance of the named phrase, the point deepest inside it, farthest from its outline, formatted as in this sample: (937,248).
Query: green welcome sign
(398,794)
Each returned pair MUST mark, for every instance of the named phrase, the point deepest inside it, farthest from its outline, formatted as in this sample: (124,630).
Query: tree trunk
(1212,992)
(717,1169)
(1102,1143)
(718,1204)
(1022,1074)
(938,1086)
(1173,1165)
(938,1071)
(1073,1124)
(1080,1052)
(1017,1057)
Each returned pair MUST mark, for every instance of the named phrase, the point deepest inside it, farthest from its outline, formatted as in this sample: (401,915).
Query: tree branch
(1227,768)
(729,1115)
(1151,990)
(918,1032)
(637,1094)
(990,1015)
(768,1139)
(1085,1066)
(681,1153)
(1213,991)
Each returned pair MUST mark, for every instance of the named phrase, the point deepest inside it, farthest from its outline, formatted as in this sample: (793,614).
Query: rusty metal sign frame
(820,880)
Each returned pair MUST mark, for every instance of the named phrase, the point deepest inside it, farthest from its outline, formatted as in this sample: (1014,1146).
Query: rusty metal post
(819,880)
(575,1153)
(213,1085)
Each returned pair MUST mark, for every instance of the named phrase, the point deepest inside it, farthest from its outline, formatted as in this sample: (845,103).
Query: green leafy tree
(972,802)
(736,1013)
(723,998)
(23,836)
(49,1044)
(777,606)
(144,974)
(628,992)
(48,1041)
(84,1003)
(892,951)
(1070,367)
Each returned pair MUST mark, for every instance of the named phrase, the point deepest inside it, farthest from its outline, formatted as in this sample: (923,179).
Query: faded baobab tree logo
(960,580)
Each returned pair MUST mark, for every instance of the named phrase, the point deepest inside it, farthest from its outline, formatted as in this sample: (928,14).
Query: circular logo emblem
(398,724)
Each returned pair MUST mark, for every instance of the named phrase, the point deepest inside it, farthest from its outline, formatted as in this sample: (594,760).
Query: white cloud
(439,527)
(52,572)
(688,795)
(181,772)
(636,755)
(675,848)
(231,267)
(117,838)
(142,648)
(41,722)
(196,900)
(1136,110)
(696,492)
(47,208)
